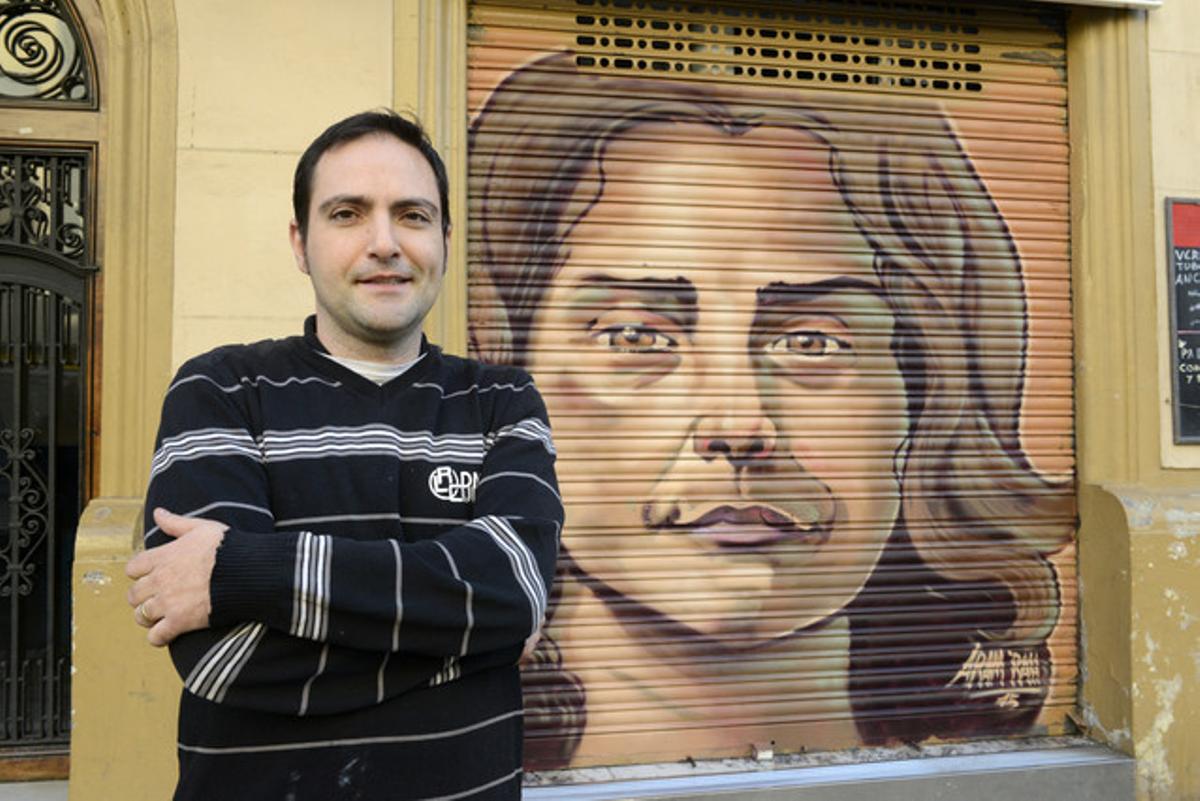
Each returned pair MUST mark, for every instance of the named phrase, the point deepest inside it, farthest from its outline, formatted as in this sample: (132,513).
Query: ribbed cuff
(252,578)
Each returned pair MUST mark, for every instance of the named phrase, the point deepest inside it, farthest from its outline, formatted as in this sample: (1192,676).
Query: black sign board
(1183,257)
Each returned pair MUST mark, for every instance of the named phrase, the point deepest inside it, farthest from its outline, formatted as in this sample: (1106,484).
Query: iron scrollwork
(42,57)
(29,504)
(43,201)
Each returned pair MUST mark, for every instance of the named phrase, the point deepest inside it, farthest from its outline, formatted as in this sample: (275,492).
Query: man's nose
(383,245)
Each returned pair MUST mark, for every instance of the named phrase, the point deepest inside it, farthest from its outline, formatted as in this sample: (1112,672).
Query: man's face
(374,249)
(716,356)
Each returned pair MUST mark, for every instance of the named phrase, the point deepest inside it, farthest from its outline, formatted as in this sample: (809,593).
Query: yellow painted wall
(1165,540)
(125,693)
(1134,143)
(1173,36)
(1110,226)
(257,82)
(119,688)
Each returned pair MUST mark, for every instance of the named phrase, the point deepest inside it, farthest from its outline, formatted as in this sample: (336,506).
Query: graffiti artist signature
(1005,673)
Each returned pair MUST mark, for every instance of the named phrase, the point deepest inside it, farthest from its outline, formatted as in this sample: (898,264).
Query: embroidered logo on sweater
(455,486)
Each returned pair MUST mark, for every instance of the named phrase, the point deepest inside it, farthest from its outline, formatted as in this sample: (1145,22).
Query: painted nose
(739,435)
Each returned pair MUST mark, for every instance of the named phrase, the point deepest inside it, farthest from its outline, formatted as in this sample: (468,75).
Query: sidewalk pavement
(34,791)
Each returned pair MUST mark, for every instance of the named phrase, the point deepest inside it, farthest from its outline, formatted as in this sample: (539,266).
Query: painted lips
(758,525)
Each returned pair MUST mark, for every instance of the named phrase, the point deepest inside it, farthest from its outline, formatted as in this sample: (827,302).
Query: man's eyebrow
(677,294)
(417,202)
(337,200)
(780,292)
(360,201)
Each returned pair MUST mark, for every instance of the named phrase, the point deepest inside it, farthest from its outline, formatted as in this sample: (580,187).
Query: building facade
(906,263)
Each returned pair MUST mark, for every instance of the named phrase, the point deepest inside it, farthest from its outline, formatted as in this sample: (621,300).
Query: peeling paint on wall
(1180,512)
(1155,778)
(1177,609)
(1178,550)
(1183,522)
(1120,738)
(1151,650)
(1139,509)
(97,578)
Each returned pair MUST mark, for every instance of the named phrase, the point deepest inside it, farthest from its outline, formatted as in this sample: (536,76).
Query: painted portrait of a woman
(784,349)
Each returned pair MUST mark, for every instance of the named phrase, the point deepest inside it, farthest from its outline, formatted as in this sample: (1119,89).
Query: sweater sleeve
(478,587)
(207,463)
(405,612)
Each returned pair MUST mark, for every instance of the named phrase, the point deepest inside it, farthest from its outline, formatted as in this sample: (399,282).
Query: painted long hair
(942,251)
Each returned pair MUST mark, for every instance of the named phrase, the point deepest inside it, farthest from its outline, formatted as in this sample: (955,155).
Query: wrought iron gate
(44,253)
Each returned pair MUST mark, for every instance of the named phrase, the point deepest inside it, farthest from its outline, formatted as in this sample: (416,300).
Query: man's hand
(531,644)
(170,589)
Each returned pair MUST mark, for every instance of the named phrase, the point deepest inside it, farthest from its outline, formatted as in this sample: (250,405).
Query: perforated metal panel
(793,280)
(763,44)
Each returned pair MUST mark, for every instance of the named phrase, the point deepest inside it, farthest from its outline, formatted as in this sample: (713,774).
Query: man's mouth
(390,279)
(755,525)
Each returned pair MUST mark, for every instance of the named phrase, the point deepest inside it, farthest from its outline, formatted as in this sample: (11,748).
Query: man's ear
(446,249)
(297,240)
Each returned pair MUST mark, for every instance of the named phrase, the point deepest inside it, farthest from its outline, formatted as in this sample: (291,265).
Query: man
(350,534)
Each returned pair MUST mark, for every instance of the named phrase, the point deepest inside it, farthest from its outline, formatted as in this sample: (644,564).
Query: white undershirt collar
(377,372)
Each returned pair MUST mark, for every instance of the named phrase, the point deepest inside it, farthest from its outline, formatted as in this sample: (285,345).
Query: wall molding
(431,44)
(137,199)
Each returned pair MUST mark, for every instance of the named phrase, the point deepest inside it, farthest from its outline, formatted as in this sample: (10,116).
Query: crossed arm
(479,587)
(170,590)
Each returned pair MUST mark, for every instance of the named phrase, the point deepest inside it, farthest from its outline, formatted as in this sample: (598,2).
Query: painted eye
(808,344)
(633,338)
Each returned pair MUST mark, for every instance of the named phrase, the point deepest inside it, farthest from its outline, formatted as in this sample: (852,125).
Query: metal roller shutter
(793,280)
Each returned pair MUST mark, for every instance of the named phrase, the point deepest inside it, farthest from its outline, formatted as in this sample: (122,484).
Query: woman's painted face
(716,356)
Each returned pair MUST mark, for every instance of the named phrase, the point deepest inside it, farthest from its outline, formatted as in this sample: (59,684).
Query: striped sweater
(389,550)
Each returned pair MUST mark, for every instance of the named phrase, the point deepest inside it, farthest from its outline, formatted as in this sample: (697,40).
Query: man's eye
(416,215)
(634,338)
(342,215)
(808,344)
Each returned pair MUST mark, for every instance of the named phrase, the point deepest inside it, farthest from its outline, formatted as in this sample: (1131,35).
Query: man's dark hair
(383,121)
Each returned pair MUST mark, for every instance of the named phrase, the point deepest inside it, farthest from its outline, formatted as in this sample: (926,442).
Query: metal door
(793,279)
(44,199)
